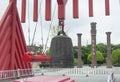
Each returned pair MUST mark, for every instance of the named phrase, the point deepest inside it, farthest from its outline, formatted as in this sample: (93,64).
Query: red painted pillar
(35,13)
(75,9)
(107,8)
(23,14)
(90,8)
(48,10)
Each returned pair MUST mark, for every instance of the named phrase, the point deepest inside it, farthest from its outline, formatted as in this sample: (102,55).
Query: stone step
(90,79)
(71,80)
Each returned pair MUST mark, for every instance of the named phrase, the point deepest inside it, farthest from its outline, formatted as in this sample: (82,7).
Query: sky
(72,26)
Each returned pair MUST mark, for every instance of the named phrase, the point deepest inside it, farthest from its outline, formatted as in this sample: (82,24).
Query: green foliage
(116,56)
(48,51)
(102,48)
(54,31)
(114,47)
(75,61)
(99,57)
(75,49)
(85,51)
(40,50)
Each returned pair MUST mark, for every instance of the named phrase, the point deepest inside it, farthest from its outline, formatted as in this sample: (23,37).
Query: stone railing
(6,74)
(73,71)
(111,78)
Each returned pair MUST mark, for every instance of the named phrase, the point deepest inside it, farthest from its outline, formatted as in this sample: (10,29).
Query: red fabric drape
(61,8)
(35,13)
(48,10)
(23,14)
(75,9)
(90,8)
(107,8)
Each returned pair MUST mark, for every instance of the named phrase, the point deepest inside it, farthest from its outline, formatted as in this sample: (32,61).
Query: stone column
(79,51)
(109,64)
(93,42)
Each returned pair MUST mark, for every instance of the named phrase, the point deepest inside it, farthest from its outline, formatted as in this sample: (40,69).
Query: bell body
(61,51)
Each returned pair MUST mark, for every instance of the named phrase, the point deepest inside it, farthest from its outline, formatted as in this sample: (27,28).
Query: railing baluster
(6,74)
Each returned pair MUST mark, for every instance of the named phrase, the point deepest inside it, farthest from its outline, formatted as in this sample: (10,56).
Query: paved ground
(90,79)
(117,77)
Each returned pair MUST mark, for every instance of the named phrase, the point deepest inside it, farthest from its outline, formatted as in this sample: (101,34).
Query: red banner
(107,8)
(23,14)
(75,9)
(35,13)
(48,10)
(90,8)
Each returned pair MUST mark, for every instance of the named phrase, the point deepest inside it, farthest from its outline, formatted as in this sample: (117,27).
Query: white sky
(81,25)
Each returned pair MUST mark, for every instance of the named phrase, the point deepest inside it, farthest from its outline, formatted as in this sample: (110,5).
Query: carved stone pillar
(109,63)
(93,42)
(79,51)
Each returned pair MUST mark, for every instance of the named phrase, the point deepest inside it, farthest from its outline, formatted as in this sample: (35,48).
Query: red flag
(23,13)
(75,9)
(90,8)
(35,13)
(48,10)
(61,8)
(107,8)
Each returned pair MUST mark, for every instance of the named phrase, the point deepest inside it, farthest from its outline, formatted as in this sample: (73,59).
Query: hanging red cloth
(23,13)
(48,10)
(75,9)
(107,8)
(35,13)
(90,8)
(61,8)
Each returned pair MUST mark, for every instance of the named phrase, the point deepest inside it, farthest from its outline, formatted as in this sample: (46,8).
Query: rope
(41,25)
(34,33)
(41,28)
(50,27)
(28,24)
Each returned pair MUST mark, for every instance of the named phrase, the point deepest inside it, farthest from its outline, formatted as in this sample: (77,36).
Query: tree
(116,56)
(114,47)
(75,49)
(85,51)
(103,49)
(99,57)
(48,51)
(75,61)
(40,50)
